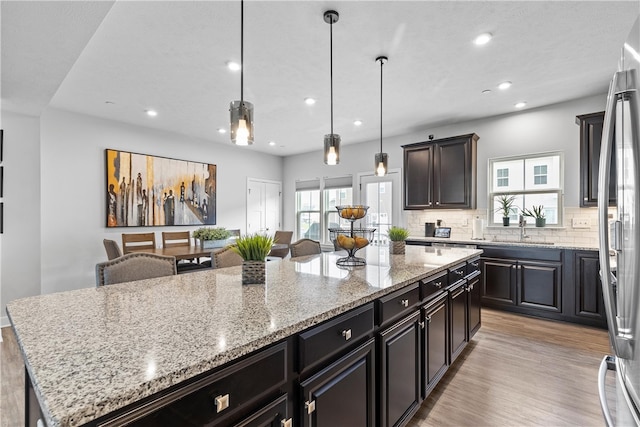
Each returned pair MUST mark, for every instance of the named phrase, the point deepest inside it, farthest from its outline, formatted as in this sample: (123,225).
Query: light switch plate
(580,223)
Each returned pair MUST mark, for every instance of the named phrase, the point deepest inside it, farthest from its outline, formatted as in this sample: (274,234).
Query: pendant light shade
(381,159)
(241,127)
(332,140)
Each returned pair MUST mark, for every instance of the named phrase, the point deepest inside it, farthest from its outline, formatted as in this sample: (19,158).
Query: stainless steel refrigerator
(620,236)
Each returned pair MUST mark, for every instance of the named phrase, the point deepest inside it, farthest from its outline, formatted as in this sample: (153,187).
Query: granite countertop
(529,243)
(92,351)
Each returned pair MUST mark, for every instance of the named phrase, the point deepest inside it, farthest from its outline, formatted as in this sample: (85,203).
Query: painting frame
(144,190)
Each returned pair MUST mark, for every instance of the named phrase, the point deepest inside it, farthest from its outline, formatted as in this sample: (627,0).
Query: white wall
(20,263)
(550,128)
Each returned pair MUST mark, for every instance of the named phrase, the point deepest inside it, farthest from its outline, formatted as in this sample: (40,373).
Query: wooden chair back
(138,241)
(175,238)
(305,247)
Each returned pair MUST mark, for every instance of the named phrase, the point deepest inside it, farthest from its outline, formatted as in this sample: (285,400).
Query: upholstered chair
(112,248)
(134,266)
(281,238)
(305,247)
(226,257)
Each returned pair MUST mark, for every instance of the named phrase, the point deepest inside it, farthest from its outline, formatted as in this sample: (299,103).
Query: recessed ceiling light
(151,113)
(221,130)
(309,101)
(504,85)
(272,143)
(486,91)
(233,66)
(520,104)
(357,122)
(482,39)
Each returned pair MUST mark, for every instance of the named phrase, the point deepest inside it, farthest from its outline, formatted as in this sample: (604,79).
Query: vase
(253,272)
(505,221)
(397,248)
(541,222)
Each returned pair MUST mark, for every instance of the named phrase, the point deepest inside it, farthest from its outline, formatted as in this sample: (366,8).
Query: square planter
(214,244)
(253,272)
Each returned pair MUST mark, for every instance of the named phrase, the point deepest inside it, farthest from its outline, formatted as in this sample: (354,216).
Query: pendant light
(241,111)
(332,140)
(381,159)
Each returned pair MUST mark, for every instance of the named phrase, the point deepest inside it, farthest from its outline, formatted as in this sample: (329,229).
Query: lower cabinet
(275,414)
(400,360)
(540,285)
(499,285)
(435,342)
(589,304)
(458,331)
(474,300)
(343,393)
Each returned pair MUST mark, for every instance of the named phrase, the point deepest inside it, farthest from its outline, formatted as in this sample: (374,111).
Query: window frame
(494,190)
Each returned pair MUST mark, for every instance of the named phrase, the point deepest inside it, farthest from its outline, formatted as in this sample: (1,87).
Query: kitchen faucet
(521,223)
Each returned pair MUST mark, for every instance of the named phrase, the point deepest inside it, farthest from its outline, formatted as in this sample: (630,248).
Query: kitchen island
(94,354)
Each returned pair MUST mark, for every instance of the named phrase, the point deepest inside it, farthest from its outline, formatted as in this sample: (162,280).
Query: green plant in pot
(505,204)
(536,212)
(212,237)
(397,236)
(253,248)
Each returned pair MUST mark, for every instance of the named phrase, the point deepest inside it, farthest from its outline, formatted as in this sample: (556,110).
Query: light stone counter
(92,351)
(526,243)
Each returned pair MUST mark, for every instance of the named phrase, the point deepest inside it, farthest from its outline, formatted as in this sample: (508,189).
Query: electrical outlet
(465,222)
(580,223)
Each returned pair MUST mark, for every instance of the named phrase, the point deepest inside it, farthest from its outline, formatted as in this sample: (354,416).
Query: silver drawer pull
(437,284)
(428,319)
(310,406)
(286,423)
(421,325)
(475,264)
(346,334)
(222,403)
(459,273)
(404,302)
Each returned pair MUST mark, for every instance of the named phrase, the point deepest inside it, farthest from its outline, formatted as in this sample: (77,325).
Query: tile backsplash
(461,223)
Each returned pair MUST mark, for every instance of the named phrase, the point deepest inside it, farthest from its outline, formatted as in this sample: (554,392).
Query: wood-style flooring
(517,371)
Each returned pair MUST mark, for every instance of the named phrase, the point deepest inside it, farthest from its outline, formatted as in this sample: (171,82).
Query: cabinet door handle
(346,334)
(437,203)
(437,284)
(286,423)
(421,325)
(310,406)
(222,403)
(428,319)
(404,302)
(475,264)
(459,273)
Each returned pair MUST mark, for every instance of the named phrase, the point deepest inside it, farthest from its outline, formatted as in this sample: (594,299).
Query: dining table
(191,252)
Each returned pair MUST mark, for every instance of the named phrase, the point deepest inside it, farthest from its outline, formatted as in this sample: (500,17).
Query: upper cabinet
(590,138)
(441,174)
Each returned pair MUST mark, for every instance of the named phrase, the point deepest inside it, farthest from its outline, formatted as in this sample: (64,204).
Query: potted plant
(397,235)
(253,248)
(505,203)
(536,212)
(212,237)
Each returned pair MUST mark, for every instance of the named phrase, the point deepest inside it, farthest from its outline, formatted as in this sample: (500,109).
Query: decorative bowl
(351,240)
(352,212)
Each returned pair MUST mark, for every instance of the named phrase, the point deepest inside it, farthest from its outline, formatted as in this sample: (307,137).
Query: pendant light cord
(241,53)
(331,69)
(381,64)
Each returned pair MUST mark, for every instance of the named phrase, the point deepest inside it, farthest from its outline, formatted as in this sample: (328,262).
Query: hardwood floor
(517,371)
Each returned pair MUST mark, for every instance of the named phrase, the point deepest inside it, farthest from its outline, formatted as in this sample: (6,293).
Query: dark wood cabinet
(275,414)
(435,341)
(540,285)
(589,302)
(474,294)
(458,326)
(441,174)
(400,366)
(499,284)
(343,393)
(591,127)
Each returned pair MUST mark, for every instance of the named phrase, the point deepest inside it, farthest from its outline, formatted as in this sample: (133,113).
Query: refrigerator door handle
(621,342)
(608,364)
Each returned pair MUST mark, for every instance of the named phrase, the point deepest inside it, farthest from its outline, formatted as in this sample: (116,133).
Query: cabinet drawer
(431,286)
(327,339)
(397,303)
(217,398)
(457,273)
(473,265)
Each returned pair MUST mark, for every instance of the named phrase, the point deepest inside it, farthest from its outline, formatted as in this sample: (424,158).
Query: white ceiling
(170,56)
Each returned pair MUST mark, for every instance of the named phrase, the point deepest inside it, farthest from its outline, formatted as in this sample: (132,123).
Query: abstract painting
(144,190)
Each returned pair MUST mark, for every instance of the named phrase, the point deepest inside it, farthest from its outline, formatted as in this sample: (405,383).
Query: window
(316,202)
(533,180)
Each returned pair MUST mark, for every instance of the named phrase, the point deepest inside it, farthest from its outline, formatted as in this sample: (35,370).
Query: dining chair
(282,238)
(172,239)
(226,257)
(305,247)
(134,266)
(132,241)
(112,248)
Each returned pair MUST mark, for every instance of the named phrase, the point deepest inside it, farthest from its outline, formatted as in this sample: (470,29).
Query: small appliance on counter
(442,232)
(429,229)
(477,230)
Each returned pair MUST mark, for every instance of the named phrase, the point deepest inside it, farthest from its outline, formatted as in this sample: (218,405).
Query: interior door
(264,199)
(382,195)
